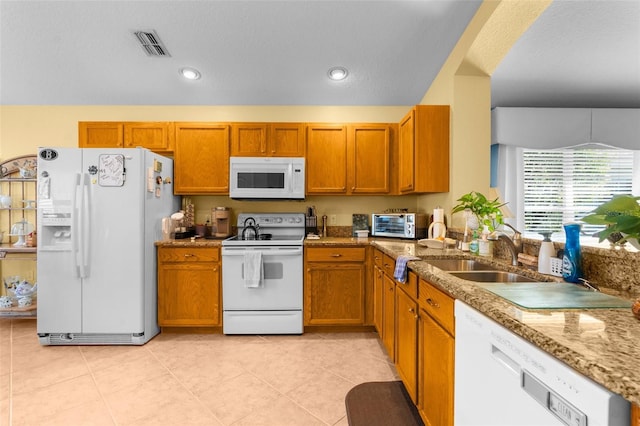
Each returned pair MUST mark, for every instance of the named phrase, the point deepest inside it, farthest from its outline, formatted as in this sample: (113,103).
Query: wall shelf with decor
(18,238)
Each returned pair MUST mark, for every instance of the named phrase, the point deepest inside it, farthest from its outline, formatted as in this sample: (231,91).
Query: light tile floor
(179,379)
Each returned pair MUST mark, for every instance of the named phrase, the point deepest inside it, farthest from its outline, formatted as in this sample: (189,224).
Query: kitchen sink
(459,265)
(492,276)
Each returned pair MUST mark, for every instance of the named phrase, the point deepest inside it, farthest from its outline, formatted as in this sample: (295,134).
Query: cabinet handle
(189,255)
(411,310)
(386,265)
(336,255)
(353,188)
(433,303)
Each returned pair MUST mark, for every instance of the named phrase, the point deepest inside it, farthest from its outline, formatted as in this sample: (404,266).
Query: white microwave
(266,178)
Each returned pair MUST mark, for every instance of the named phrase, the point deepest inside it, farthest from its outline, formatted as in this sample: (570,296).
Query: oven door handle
(240,251)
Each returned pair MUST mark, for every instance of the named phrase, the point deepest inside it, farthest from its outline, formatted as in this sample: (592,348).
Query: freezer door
(59,284)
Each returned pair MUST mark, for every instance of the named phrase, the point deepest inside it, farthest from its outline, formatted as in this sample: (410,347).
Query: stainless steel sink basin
(459,265)
(492,276)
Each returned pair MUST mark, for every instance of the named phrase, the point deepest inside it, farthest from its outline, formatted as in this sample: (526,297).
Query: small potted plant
(486,211)
(621,215)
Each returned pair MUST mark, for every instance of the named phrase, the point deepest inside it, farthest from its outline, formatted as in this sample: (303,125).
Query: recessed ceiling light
(338,73)
(190,73)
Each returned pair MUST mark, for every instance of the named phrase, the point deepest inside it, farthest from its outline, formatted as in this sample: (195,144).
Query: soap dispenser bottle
(571,257)
(545,254)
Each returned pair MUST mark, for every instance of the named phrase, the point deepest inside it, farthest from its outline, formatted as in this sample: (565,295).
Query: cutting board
(554,296)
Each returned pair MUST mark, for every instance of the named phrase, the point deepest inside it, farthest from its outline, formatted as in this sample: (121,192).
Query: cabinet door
(436,373)
(326,160)
(286,140)
(201,162)
(334,294)
(188,294)
(100,134)
(406,153)
(431,153)
(249,140)
(156,136)
(423,150)
(389,316)
(378,291)
(369,164)
(407,341)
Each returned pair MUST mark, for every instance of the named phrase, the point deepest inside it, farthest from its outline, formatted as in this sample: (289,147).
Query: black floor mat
(381,404)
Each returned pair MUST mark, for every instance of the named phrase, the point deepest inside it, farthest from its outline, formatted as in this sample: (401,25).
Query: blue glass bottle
(571,259)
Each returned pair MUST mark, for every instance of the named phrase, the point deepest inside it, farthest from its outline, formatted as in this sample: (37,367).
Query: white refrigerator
(99,215)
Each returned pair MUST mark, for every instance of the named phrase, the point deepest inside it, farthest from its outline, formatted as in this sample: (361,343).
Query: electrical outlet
(333,220)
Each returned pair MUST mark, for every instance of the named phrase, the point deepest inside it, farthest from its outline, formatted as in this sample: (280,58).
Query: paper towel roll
(438,215)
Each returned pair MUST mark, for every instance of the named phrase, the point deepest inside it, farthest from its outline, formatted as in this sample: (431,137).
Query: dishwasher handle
(553,402)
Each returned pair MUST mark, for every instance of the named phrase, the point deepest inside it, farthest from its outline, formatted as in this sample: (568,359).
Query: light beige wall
(25,128)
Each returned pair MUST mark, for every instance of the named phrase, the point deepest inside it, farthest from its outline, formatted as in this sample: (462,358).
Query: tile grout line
(95,383)
(183,385)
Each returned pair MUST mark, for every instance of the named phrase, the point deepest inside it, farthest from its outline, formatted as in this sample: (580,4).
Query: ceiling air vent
(151,43)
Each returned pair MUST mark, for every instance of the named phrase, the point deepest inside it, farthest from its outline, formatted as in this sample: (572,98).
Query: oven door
(280,288)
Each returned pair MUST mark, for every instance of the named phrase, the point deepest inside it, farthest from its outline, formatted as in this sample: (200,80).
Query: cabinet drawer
(188,254)
(437,303)
(388,265)
(410,286)
(335,254)
(378,258)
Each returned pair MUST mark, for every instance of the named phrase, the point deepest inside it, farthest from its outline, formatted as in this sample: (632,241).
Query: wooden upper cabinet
(157,136)
(326,162)
(349,159)
(423,150)
(249,139)
(267,139)
(369,159)
(100,134)
(201,160)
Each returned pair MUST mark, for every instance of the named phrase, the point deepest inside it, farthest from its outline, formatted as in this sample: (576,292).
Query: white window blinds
(562,186)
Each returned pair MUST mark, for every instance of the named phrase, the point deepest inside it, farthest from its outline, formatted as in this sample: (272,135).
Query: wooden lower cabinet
(389,316)
(334,286)
(436,352)
(635,415)
(436,372)
(378,292)
(188,286)
(406,355)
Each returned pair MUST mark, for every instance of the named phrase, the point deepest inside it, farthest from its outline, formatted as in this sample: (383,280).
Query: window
(561,186)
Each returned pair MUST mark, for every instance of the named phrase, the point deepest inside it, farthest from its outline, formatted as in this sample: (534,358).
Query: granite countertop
(199,242)
(602,344)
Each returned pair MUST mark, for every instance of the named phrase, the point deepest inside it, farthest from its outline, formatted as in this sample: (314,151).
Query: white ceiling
(579,53)
(264,52)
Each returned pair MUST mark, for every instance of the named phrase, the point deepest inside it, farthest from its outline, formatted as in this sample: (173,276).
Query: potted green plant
(486,211)
(621,215)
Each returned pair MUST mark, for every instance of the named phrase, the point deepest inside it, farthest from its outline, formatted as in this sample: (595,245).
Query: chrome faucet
(514,244)
(247,226)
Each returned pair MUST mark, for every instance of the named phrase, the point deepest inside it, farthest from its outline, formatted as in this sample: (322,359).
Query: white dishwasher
(501,379)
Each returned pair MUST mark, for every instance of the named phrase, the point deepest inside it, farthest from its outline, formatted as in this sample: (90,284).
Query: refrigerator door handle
(75,224)
(85,226)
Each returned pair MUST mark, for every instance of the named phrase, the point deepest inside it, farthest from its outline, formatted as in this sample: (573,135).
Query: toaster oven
(399,225)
